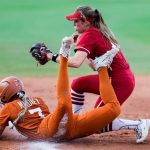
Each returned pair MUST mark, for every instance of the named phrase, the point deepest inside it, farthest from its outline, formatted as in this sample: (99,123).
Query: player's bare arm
(44,56)
(76,60)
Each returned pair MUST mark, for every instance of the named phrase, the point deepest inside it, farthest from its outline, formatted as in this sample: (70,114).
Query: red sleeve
(86,43)
(4,116)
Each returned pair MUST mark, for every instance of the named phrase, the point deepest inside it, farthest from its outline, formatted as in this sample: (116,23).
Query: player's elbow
(114,109)
(77,60)
(75,64)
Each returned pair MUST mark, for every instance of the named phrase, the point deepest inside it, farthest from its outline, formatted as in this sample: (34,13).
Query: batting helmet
(10,86)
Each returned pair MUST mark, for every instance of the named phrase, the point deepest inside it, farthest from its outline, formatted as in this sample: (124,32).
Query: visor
(75,16)
(78,15)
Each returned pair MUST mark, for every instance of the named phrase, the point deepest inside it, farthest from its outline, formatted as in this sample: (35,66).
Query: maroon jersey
(95,44)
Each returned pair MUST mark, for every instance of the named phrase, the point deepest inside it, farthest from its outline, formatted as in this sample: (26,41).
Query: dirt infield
(137,106)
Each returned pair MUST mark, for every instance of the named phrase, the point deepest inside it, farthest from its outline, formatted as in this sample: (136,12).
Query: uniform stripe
(73,100)
(75,95)
(77,103)
(110,126)
(99,105)
(77,98)
(84,49)
(73,92)
(106,129)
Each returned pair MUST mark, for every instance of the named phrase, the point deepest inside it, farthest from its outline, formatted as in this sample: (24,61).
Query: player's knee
(115,108)
(75,84)
(63,101)
(79,85)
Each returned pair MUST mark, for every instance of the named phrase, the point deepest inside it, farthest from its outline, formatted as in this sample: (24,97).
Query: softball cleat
(142,130)
(106,59)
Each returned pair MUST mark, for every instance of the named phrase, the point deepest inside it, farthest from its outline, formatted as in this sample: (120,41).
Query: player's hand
(75,37)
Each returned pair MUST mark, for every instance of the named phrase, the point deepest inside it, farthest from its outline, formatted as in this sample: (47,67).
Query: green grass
(26,22)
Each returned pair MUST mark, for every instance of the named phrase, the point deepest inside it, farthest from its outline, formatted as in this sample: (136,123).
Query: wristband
(54,57)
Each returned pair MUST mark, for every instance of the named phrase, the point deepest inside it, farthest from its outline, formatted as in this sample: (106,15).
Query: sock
(119,124)
(77,101)
(107,128)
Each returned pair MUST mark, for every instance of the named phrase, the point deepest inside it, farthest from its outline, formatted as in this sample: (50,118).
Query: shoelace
(109,61)
(139,132)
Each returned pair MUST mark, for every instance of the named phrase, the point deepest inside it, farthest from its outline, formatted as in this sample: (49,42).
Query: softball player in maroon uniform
(94,41)
(94,38)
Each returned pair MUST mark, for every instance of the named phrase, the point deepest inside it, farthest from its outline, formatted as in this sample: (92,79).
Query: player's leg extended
(106,89)
(50,125)
(96,119)
(93,121)
(63,89)
(63,112)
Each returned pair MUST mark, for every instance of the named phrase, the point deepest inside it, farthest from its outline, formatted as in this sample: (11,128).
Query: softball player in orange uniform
(32,118)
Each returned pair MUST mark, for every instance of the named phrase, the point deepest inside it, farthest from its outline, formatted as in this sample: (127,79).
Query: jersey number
(36,110)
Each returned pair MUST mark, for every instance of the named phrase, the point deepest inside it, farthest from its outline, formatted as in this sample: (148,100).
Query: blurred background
(25,22)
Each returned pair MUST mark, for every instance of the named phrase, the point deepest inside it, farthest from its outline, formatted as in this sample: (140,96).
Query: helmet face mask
(10,86)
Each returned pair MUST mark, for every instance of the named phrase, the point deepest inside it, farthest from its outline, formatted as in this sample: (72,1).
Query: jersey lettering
(29,102)
(36,110)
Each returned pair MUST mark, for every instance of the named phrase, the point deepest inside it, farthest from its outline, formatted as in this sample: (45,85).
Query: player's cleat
(142,130)
(65,46)
(106,59)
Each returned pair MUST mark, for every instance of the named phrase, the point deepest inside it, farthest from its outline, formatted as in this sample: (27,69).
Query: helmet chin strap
(1,102)
(23,97)
(20,94)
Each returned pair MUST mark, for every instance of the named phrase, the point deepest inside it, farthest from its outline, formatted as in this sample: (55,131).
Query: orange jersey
(29,123)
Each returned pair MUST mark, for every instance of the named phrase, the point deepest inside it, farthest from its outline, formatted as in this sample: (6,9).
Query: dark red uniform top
(94,43)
